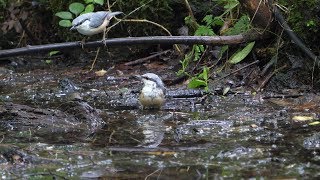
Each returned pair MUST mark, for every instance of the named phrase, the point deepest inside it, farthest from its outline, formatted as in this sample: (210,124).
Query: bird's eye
(147,78)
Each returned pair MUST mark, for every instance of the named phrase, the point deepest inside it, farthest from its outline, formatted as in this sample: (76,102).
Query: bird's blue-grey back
(80,19)
(98,18)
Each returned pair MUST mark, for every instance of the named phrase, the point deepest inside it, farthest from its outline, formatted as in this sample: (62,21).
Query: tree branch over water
(190,40)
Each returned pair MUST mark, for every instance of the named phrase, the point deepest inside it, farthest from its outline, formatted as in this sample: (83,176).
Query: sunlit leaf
(226,90)
(240,55)
(314,123)
(65,23)
(89,8)
(51,53)
(64,15)
(48,61)
(302,118)
(76,8)
(205,73)
(101,73)
(101,2)
(88,1)
(195,83)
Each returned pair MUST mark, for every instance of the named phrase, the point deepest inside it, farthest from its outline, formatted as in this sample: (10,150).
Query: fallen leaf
(100,73)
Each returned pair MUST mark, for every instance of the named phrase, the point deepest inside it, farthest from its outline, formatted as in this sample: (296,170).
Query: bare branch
(190,40)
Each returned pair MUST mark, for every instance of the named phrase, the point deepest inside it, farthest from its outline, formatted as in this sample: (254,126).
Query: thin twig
(264,82)
(95,59)
(255,62)
(110,137)
(141,60)
(156,24)
(151,174)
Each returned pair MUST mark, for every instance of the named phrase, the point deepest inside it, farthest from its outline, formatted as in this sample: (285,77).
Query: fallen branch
(293,35)
(142,60)
(190,40)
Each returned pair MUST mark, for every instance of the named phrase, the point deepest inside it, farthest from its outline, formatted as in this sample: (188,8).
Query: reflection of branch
(190,40)
(164,149)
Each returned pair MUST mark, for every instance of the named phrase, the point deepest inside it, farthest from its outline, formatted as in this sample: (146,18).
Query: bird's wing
(97,19)
(80,19)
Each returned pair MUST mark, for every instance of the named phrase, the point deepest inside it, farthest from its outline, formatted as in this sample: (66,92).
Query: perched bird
(93,23)
(152,95)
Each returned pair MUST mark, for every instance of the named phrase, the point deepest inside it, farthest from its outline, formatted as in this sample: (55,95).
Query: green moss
(303,19)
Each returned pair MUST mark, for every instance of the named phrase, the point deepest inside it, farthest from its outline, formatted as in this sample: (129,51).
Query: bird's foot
(82,43)
(104,42)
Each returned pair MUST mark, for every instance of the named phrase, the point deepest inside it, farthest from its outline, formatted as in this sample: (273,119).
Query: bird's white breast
(86,29)
(151,96)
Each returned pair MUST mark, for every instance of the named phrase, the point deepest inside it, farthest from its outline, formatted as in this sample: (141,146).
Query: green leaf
(241,26)
(217,21)
(48,61)
(204,31)
(208,20)
(205,73)
(222,51)
(89,8)
(195,83)
(101,2)
(76,8)
(65,23)
(51,53)
(188,20)
(231,5)
(64,15)
(239,56)
(88,1)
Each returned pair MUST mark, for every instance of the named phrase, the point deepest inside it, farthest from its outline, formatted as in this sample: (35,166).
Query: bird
(152,95)
(93,23)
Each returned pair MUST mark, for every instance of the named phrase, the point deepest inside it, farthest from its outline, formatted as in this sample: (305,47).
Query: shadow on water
(236,136)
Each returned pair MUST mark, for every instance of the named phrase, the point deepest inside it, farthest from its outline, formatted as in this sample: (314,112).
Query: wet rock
(67,86)
(312,142)
(79,120)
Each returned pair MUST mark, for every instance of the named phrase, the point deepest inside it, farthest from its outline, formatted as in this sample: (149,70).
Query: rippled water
(233,136)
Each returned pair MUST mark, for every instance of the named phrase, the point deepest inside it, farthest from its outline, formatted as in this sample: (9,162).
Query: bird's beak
(72,28)
(112,14)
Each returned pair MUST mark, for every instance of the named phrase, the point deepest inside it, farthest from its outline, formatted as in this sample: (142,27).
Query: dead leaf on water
(302,118)
(314,123)
(100,73)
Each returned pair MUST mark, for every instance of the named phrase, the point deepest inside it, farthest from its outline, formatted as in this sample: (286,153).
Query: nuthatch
(153,92)
(93,23)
